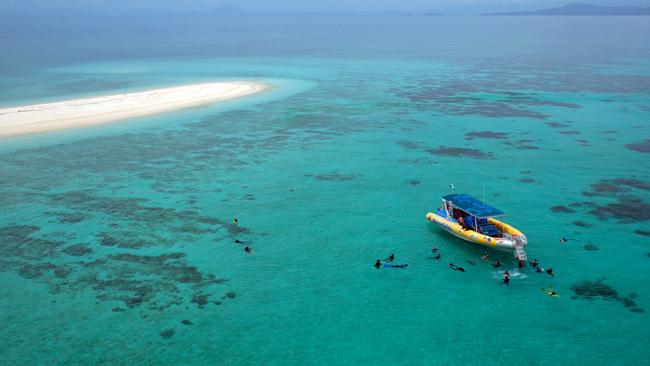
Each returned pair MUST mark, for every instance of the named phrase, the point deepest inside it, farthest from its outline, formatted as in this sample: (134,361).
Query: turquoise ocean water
(116,241)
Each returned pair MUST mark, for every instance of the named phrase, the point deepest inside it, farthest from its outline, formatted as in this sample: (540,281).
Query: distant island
(432,14)
(583,9)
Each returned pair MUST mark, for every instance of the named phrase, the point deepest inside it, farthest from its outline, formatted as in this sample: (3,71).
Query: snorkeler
(549,291)
(564,240)
(550,272)
(497,264)
(435,249)
(235,221)
(378,264)
(390,258)
(521,264)
(485,256)
(534,263)
(506,278)
(248,249)
(539,269)
(239,241)
(437,257)
(456,268)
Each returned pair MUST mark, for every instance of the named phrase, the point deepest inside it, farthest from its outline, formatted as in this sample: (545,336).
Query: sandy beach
(104,109)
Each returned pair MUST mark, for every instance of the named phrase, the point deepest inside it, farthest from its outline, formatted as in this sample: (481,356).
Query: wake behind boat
(472,220)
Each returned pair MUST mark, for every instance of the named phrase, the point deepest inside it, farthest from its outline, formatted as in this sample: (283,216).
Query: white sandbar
(91,111)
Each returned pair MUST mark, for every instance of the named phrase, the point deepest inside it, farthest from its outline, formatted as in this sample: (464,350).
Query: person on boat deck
(378,264)
(462,223)
(506,278)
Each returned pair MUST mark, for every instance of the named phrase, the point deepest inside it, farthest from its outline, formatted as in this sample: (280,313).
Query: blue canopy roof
(473,206)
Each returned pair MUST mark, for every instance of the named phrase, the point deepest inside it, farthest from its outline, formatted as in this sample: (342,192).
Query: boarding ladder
(520,253)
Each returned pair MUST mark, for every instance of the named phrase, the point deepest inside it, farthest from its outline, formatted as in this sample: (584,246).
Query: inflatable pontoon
(472,220)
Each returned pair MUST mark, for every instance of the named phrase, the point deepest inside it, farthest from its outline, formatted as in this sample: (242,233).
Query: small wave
(514,274)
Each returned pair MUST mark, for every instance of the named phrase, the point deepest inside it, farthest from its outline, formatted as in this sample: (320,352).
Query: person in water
(248,249)
(564,240)
(534,263)
(472,262)
(506,278)
(550,272)
(457,268)
(378,264)
(539,269)
(497,264)
(235,221)
(390,258)
(239,241)
(549,291)
(521,264)
(485,256)
(435,249)
(437,257)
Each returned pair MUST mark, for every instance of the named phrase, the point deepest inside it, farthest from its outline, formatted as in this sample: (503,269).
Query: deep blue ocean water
(117,245)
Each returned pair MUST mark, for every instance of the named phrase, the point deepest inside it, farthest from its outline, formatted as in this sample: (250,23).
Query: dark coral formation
(570,132)
(562,209)
(167,333)
(642,146)
(642,232)
(77,250)
(486,135)
(599,290)
(19,241)
(581,223)
(557,125)
(456,97)
(335,177)
(606,187)
(460,152)
(410,145)
(200,300)
(627,209)
(155,281)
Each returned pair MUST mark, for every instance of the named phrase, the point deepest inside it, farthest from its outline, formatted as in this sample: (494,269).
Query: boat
(475,221)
